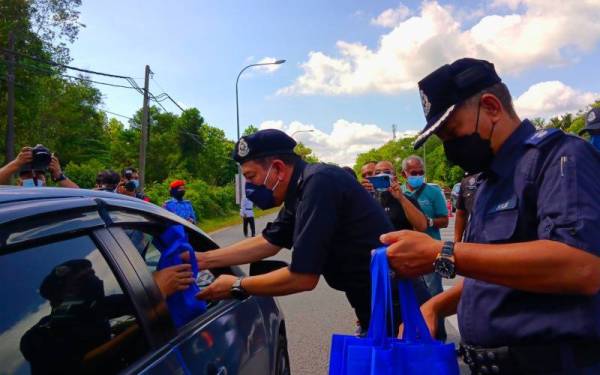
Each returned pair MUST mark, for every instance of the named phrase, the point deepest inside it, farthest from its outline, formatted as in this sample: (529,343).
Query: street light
(302,131)
(237,112)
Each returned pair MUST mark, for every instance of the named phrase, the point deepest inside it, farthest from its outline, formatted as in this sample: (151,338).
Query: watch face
(445,268)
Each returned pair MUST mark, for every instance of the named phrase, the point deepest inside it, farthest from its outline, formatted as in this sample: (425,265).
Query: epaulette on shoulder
(542,137)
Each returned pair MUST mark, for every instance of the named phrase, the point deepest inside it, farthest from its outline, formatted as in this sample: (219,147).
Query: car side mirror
(266,266)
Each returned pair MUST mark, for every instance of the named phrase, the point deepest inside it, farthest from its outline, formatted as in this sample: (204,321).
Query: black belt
(530,359)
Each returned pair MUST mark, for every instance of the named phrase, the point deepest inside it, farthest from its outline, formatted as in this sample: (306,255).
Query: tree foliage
(437,167)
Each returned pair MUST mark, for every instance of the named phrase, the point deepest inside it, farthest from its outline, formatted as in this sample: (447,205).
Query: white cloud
(391,17)
(341,146)
(552,98)
(545,33)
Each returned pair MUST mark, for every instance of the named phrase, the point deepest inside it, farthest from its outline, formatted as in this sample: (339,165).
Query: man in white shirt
(247,214)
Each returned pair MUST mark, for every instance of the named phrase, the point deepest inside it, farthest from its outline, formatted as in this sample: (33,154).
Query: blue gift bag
(183,305)
(378,353)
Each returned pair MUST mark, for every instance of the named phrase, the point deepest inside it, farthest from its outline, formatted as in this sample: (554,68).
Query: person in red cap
(177,204)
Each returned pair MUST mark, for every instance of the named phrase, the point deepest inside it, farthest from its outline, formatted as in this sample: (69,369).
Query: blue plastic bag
(378,354)
(183,305)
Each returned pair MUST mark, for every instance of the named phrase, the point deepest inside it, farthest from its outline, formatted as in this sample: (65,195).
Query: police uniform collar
(504,160)
(292,192)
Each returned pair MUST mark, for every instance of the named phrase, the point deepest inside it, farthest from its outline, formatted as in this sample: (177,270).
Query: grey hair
(411,158)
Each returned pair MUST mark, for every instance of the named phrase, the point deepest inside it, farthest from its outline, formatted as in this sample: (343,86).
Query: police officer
(327,217)
(530,300)
(592,126)
(464,204)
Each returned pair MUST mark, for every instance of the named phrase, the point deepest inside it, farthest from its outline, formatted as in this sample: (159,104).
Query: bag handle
(415,328)
(381,298)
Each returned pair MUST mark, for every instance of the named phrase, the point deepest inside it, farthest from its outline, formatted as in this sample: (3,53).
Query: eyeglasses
(386,171)
(416,173)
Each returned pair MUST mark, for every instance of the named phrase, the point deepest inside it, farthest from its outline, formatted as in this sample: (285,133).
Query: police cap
(53,285)
(449,86)
(592,121)
(263,143)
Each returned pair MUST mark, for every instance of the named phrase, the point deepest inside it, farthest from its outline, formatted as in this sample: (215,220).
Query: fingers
(182,267)
(390,238)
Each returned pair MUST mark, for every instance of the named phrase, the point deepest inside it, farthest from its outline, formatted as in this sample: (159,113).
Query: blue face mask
(136,183)
(261,195)
(416,181)
(595,141)
(29,183)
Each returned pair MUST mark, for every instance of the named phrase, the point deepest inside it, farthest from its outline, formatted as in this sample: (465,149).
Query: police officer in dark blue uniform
(530,301)
(327,217)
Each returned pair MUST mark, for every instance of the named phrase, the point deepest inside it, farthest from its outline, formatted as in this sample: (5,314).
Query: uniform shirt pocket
(501,221)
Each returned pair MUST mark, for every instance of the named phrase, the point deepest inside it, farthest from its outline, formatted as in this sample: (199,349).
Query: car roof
(18,203)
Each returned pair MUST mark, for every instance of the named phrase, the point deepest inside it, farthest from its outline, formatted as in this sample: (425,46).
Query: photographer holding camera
(32,164)
(130,183)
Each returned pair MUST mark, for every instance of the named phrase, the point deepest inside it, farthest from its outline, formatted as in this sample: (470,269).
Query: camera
(41,158)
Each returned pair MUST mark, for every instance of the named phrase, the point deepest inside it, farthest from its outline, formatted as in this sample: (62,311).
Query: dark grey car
(79,295)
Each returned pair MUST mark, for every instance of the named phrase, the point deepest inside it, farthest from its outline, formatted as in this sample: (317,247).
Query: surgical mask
(471,152)
(416,181)
(136,183)
(261,195)
(595,141)
(30,183)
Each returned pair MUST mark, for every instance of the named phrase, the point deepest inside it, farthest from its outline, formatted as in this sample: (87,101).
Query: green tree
(306,153)
(251,129)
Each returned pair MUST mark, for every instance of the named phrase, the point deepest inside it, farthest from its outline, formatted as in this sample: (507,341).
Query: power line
(116,114)
(50,72)
(168,96)
(158,99)
(52,63)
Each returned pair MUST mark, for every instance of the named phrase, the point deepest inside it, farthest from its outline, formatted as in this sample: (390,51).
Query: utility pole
(10,102)
(144,136)
(394,131)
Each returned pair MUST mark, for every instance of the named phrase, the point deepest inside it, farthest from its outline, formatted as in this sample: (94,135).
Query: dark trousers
(249,220)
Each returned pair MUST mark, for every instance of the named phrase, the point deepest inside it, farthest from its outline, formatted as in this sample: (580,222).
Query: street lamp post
(302,131)
(237,112)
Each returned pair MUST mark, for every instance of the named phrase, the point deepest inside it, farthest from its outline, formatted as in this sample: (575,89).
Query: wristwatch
(61,177)
(429,222)
(444,263)
(237,291)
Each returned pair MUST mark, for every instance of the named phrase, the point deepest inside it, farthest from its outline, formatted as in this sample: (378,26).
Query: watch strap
(447,249)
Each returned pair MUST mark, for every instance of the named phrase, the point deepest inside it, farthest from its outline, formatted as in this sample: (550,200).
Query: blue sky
(352,66)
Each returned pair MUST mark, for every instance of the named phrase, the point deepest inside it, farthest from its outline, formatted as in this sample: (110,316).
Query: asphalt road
(312,317)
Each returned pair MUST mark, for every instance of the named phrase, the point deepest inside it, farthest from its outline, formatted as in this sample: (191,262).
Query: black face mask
(471,152)
(177,194)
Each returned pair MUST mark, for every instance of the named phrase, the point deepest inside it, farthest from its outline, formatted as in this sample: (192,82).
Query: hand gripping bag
(183,305)
(379,353)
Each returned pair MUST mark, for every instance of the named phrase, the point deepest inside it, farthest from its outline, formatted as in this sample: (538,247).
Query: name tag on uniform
(505,205)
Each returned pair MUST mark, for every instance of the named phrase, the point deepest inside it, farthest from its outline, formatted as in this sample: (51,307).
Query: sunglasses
(416,173)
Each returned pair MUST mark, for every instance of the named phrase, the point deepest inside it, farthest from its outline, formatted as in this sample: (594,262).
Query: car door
(229,338)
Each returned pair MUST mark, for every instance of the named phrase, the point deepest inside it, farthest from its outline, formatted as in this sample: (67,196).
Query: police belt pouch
(183,305)
(380,353)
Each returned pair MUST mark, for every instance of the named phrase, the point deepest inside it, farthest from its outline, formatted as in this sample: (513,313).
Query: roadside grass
(214,224)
